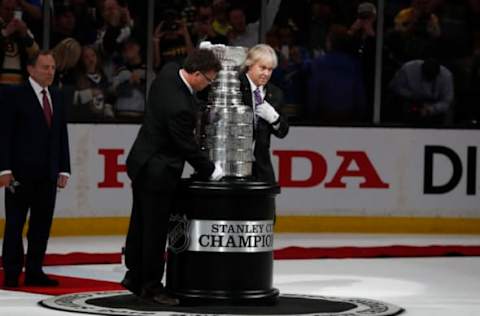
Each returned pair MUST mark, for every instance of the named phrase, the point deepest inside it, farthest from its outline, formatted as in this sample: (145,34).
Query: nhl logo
(178,235)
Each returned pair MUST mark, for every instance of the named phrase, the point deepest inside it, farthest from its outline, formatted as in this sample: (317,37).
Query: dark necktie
(258,97)
(47,110)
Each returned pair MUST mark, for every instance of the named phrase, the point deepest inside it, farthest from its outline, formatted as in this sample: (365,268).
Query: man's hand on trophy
(267,112)
(218,173)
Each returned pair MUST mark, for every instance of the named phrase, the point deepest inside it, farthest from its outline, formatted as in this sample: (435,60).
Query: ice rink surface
(437,286)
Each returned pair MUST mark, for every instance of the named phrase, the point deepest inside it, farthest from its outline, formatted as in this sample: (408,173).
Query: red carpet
(75,285)
(77,258)
(375,252)
(68,285)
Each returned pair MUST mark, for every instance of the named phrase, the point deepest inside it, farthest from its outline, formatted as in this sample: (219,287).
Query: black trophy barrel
(221,242)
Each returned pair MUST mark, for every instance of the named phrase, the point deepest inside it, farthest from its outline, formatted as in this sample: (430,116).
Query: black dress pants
(146,239)
(38,197)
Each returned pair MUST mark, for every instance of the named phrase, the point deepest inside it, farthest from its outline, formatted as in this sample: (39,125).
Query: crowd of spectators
(326,51)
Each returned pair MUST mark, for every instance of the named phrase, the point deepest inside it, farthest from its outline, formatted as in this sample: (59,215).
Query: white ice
(440,286)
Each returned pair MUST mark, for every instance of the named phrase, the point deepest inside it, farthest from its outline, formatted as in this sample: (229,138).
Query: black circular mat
(122,303)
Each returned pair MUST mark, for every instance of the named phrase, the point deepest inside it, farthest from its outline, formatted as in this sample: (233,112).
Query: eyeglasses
(210,81)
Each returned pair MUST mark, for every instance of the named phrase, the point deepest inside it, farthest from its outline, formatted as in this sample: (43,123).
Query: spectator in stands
(424,89)
(129,82)
(32,16)
(67,54)
(243,34)
(93,96)
(17,44)
(220,17)
(66,24)
(416,33)
(116,30)
(203,27)
(86,19)
(321,16)
(118,24)
(63,24)
(363,29)
(290,75)
(171,39)
(418,18)
(364,42)
(336,88)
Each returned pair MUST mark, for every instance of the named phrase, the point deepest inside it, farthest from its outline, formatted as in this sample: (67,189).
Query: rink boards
(332,179)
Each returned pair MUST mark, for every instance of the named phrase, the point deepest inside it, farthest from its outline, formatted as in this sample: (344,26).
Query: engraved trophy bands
(229,124)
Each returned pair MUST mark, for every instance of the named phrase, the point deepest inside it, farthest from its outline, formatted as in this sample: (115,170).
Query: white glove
(217,173)
(266,112)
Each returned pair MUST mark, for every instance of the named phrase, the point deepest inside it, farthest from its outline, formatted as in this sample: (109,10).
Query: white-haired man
(266,101)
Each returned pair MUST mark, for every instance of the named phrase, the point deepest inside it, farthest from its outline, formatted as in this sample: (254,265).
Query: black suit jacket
(27,146)
(262,166)
(166,139)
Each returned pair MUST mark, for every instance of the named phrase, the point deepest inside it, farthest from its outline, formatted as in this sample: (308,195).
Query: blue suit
(36,154)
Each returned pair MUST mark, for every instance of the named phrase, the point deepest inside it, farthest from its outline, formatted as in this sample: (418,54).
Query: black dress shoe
(158,295)
(165,299)
(130,285)
(40,280)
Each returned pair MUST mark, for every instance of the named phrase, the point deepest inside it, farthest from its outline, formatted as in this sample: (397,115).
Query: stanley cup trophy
(221,236)
(229,129)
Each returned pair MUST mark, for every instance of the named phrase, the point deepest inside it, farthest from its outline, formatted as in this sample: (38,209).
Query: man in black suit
(34,161)
(266,100)
(155,164)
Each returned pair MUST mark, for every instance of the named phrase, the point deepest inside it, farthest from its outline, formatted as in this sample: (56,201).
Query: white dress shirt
(254,87)
(38,92)
(185,81)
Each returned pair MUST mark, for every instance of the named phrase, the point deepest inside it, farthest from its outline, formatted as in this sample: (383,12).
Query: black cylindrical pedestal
(221,243)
